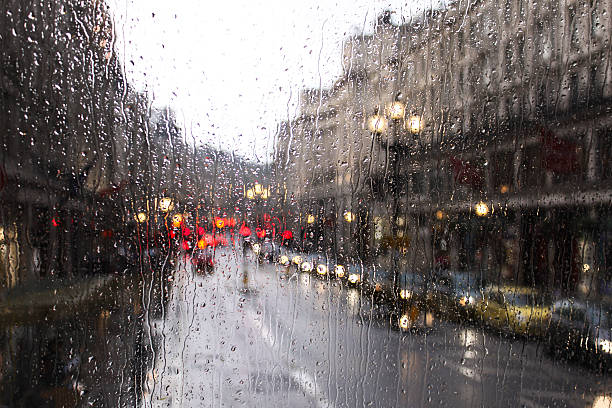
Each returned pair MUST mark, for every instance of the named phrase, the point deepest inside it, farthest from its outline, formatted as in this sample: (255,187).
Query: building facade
(507,110)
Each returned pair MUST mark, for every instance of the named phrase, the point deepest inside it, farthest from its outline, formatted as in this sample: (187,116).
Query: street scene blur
(367,203)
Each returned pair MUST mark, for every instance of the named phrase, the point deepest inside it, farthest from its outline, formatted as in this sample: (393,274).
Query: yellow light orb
(141,217)
(310,219)
(177,220)
(353,278)
(202,244)
(322,269)
(339,271)
(439,214)
(377,124)
(265,193)
(284,260)
(258,189)
(250,194)
(306,266)
(297,260)
(405,294)
(482,209)
(166,204)
(504,189)
(396,110)
(404,322)
(414,124)
(349,216)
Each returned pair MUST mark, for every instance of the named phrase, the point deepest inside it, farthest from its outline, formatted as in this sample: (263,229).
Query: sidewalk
(50,299)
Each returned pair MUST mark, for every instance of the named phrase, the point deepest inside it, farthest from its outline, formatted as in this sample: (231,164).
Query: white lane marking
(304,380)
(465,371)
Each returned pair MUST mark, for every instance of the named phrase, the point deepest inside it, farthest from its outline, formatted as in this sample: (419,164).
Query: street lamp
(396,110)
(166,204)
(377,123)
(414,124)
(141,217)
(481,209)
(177,220)
(258,191)
(395,113)
(349,216)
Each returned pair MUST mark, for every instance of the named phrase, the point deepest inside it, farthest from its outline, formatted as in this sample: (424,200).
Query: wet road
(296,340)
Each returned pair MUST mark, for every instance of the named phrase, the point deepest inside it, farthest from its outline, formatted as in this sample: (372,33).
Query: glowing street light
(141,217)
(177,220)
(482,209)
(377,124)
(414,124)
(349,216)
(396,110)
(166,204)
(258,191)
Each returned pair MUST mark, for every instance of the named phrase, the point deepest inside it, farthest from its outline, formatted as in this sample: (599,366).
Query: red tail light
(245,231)
(261,233)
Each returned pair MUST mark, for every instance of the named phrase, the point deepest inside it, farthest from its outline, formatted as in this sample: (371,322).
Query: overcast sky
(232,70)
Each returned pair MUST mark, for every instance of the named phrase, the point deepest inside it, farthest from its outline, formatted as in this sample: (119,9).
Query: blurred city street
(294,339)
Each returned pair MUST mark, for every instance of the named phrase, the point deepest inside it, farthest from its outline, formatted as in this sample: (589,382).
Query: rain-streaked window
(296,204)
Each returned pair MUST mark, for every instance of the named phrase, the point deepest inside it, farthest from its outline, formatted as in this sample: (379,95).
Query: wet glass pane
(330,204)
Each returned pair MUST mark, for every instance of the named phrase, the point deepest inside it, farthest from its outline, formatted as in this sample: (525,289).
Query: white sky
(232,70)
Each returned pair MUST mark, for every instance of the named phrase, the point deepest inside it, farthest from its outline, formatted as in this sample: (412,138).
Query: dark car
(413,309)
(455,295)
(582,330)
(203,260)
(269,250)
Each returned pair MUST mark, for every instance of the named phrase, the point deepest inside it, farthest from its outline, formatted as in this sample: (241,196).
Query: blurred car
(413,288)
(414,317)
(582,330)
(354,273)
(203,259)
(307,264)
(266,251)
(284,257)
(456,294)
(322,265)
(413,308)
(380,283)
(517,310)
